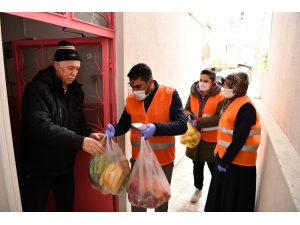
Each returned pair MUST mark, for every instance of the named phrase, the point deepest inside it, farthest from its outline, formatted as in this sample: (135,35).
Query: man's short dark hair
(140,70)
(210,73)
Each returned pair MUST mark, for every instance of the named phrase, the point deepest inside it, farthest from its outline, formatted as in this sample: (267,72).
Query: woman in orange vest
(202,110)
(233,184)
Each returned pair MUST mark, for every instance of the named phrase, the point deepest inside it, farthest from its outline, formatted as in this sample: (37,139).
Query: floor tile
(182,188)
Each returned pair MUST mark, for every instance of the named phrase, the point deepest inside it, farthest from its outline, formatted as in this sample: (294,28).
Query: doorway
(27,57)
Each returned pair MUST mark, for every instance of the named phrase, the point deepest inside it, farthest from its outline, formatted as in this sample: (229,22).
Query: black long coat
(53,125)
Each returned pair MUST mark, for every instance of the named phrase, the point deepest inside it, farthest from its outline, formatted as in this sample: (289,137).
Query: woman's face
(205,79)
(205,83)
(228,92)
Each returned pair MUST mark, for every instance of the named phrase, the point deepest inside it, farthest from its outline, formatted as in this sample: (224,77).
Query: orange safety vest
(158,111)
(210,133)
(247,155)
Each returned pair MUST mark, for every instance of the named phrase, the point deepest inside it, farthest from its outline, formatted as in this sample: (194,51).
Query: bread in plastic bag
(110,171)
(191,138)
(147,186)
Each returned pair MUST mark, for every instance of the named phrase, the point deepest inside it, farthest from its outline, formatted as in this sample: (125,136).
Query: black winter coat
(53,125)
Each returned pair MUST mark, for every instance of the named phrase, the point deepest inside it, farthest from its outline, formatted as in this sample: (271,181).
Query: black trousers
(198,171)
(168,170)
(35,192)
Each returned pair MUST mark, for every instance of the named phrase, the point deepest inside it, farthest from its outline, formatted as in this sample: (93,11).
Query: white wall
(279,160)
(281,85)
(3,198)
(277,168)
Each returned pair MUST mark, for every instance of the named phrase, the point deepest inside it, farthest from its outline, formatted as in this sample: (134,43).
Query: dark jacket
(177,126)
(53,125)
(204,150)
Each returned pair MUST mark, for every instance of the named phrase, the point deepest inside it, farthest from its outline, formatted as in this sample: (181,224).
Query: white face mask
(140,95)
(228,93)
(204,86)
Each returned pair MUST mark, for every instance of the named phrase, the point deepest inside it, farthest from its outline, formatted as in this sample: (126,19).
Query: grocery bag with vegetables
(147,186)
(109,172)
(191,138)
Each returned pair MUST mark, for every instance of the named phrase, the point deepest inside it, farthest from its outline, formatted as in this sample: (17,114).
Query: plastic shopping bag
(147,186)
(191,138)
(109,172)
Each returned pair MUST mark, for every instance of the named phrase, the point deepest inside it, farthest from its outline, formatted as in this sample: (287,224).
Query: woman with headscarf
(233,183)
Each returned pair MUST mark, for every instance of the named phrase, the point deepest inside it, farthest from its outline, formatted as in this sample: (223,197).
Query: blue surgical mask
(140,95)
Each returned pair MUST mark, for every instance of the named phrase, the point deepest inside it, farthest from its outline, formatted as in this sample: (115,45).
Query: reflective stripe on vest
(248,154)
(209,133)
(228,131)
(244,148)
(155,146)
(208,128)
(158,111)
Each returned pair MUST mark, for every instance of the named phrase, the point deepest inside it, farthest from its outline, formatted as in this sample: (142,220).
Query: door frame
(67,19)
(7,156)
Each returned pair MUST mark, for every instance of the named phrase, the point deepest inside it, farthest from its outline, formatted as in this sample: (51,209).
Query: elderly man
(53,129)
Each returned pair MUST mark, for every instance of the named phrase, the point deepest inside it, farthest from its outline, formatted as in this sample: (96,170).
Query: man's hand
(97,136)
(110,131)
(149,131)
(92,146)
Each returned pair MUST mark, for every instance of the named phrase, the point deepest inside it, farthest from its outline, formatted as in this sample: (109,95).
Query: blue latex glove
(194,123)
(149,131)
(221,169)
(110,131)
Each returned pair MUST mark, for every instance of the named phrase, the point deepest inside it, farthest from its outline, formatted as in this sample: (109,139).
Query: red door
(95,74)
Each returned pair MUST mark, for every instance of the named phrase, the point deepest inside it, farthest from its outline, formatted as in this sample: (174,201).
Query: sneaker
(196,195)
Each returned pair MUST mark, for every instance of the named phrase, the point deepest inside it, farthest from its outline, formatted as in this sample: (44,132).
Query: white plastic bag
(147,186)
(109,172)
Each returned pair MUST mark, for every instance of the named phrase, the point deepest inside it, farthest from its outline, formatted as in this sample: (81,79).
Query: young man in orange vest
(233,184)
(160,108)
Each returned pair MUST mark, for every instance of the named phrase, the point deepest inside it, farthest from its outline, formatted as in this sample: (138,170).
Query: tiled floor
(182,188)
